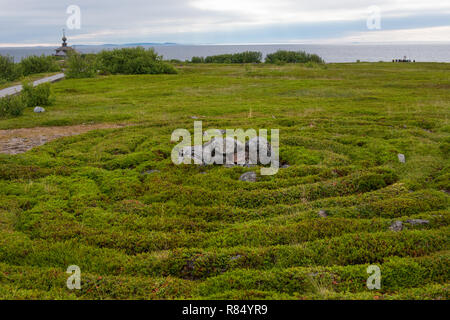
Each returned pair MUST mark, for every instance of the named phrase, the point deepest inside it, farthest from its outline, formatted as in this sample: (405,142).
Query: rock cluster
(232,152)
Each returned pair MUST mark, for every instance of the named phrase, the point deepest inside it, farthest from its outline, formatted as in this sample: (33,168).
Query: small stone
(284,166)
(235,257)
(323,214)
(248,176)
(417,221)
(150,171)
(396,226)
(401,158)
(194,117)
(39,110)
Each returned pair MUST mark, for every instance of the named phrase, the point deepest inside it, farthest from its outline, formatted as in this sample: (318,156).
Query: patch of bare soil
(16,141)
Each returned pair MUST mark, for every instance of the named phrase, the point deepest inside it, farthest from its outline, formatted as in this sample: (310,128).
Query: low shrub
(242,57)
(198,60)
(39,64)
(11,106)
(398,273)
(133,61)
(9,71)
(221,58)
(36,95)
(81,66)
(283,56)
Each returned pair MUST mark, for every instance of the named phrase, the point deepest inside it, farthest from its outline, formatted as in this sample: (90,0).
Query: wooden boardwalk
(16,89)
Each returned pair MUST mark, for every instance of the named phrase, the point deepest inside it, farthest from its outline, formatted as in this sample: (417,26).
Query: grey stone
(248,176)
(323,214)
(284,166)
(260,146)
(417,221)
(150,171)
(396,226)
(229,149)
(191,153)
(39,109)
(401,158)
(215,132)
(235,257)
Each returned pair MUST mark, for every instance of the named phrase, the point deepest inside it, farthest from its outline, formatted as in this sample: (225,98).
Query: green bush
(11,106)
(247,57)
(242,57)
(36,95)
(133,61)
(283,56)
(39,64)
(198,60)
(9,71)
(81,66)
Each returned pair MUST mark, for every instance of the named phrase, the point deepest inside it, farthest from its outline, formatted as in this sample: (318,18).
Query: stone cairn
(233,152)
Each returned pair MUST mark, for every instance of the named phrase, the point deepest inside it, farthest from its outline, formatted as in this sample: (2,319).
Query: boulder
(39,109)
(229,148)
(260,145)
(191,153)
(401,158)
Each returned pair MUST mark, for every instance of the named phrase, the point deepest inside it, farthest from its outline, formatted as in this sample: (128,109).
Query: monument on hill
(64,50)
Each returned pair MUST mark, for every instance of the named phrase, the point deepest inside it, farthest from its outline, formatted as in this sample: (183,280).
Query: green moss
(179,232)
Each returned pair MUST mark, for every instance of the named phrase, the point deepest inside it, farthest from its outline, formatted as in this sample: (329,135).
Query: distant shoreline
(332,53)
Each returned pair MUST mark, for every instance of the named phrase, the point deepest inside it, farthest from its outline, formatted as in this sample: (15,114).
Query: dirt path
(16,141)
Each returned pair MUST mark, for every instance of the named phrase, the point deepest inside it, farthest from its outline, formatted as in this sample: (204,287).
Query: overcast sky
(39,22)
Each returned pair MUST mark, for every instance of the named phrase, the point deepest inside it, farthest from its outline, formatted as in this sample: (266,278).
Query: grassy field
(198,232)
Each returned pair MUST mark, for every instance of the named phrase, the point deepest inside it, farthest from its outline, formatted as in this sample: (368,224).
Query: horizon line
(50,45)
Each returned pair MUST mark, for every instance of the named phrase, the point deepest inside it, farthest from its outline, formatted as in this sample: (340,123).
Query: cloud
(220,21)
(435,34)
